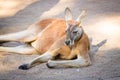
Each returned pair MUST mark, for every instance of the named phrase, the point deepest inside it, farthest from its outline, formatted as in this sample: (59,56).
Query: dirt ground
(102,22)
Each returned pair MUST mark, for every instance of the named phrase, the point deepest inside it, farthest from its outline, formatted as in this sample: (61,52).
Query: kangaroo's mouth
(69,43)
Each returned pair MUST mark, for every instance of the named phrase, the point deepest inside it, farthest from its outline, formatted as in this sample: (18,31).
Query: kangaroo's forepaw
(23,67)
(49,66)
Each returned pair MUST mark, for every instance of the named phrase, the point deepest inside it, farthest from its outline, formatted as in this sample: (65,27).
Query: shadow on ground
(105,67)
(24,18)
(105,62)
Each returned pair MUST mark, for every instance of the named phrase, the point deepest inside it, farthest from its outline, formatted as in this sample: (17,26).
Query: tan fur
(47,38)
(49,35)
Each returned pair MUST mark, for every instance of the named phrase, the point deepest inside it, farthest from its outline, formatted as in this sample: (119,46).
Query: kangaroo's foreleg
(79,62)
(23,36)
(42,58)
(22,49)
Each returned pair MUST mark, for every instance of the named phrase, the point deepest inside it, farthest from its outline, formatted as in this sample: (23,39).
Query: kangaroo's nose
(67,42)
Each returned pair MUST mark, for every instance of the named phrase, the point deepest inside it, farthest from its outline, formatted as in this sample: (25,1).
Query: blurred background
(102,22)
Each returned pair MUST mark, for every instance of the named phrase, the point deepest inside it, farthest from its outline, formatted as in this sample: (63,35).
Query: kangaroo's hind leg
(29,34)
(40,59)
(22,49)
(22,36)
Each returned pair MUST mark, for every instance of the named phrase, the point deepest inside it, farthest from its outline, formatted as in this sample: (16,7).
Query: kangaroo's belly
(49,35)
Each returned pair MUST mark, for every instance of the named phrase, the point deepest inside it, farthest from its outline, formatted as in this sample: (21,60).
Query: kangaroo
(53,39)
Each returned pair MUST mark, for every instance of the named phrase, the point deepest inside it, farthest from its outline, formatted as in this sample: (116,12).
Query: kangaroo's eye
(75,32)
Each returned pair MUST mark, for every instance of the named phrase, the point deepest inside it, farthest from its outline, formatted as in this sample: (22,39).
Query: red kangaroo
(53,39)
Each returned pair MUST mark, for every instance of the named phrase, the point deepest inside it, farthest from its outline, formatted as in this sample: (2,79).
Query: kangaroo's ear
(68,14)
(81,16)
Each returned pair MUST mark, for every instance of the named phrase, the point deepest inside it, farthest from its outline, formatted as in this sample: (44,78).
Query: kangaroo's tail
(95,48)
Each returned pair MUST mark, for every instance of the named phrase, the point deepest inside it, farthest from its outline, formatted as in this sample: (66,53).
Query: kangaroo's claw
(23,67)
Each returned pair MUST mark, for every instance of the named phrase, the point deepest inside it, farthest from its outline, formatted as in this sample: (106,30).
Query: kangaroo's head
(74,30)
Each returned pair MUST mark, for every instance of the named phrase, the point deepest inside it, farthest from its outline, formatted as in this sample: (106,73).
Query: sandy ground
(102,22)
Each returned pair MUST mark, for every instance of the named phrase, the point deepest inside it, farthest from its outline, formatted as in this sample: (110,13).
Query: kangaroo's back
(54,31)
